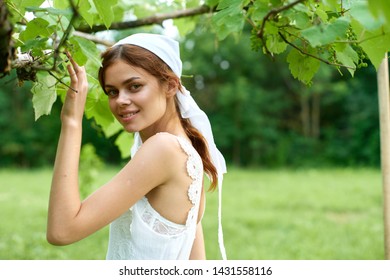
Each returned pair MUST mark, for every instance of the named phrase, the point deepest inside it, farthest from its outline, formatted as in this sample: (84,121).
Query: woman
(154,205)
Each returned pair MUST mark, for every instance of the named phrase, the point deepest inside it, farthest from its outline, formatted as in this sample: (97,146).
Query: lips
(126,116)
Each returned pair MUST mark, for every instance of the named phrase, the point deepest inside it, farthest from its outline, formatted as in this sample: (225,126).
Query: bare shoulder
(162,146)
(165,142)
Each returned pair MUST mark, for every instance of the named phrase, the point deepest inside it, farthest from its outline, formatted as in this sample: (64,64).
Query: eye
(111,92)
(135,87)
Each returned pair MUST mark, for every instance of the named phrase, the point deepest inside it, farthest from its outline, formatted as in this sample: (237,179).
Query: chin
(129,129)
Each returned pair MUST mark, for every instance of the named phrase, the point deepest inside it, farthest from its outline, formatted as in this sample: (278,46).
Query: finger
(76,67)
(73,76)
(72,72)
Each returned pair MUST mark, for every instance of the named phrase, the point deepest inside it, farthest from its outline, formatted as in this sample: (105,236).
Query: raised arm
(64,203)
(69,218)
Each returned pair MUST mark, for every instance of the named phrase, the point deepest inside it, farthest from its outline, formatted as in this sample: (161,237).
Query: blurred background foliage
(261,115)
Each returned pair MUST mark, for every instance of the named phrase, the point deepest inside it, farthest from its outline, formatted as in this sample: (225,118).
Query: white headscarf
(168,51)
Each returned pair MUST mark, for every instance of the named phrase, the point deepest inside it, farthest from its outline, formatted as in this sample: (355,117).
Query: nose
(123,98)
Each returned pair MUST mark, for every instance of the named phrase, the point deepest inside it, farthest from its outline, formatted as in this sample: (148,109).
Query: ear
(172,87)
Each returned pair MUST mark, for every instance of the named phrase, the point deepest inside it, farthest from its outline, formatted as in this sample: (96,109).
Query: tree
(341,33)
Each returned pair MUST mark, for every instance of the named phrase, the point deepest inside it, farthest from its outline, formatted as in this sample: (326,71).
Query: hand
(76,96)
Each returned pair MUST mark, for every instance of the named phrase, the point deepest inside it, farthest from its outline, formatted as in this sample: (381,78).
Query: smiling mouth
(128,115)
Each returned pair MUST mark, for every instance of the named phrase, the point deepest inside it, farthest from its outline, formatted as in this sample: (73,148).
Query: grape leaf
(332,5)
(36,27)
(322,14)
(302,67)
(361,13)
(85,11)
(112,129)
(380,8)
(258,10)
(22,4)
(85,50)
(44,94)
(104,8)
(275,44)
(229,19)
(61,4)
(375,43)
(98,109)
(347,56)
(322,34)
(124,142)
(49,10)
(184,26)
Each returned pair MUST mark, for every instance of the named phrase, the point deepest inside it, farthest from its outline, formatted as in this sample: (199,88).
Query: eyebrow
(124,82)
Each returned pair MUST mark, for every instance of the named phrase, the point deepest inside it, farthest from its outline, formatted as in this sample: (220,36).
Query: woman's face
(136,98)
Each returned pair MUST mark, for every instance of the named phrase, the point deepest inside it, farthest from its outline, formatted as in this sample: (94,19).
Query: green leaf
(112,129)
(332,5)
(85,10)
(21,5)
(322,14)
(347,56)
(184,25)
(258,10)
(37,27)
(61,4)
(85,50)
(229,19)
(49,10)
(302,67)
(375,43)
(361,13)
(380,9)
(97,107)
(300,19)
(44,94)
(275,44)
(124,142)
(212,3)
(324,34)
(35,46)
(104,8)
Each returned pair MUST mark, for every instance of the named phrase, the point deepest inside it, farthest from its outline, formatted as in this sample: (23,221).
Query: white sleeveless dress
(142,233)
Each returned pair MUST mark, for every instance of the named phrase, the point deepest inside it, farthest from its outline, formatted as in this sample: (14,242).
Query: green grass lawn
(277,214)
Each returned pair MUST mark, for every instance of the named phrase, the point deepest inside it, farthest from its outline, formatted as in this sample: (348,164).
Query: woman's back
(148,231)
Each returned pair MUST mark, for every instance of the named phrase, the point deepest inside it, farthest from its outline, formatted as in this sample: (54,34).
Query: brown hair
(140,57)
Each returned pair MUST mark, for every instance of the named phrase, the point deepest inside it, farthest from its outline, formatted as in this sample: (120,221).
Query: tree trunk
(315,115)
(305,113)
(384,118)
(6,47)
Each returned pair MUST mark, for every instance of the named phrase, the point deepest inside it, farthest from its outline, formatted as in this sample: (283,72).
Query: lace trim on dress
(158,223)
(195,171)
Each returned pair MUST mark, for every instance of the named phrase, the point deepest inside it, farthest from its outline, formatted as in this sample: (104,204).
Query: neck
(170,122)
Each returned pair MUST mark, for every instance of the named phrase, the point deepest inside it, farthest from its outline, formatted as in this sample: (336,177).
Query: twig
(12,5)
(61,82)
(313,56)
(274,12)
(64,38)
(157,19)
(92,38)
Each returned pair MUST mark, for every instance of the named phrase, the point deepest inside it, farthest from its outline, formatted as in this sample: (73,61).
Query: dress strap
(194,168)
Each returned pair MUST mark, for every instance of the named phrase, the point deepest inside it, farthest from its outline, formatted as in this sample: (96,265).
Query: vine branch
(313,56)
(274,12)
(61,82)
(92,38)
(62,42)
(157,19)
